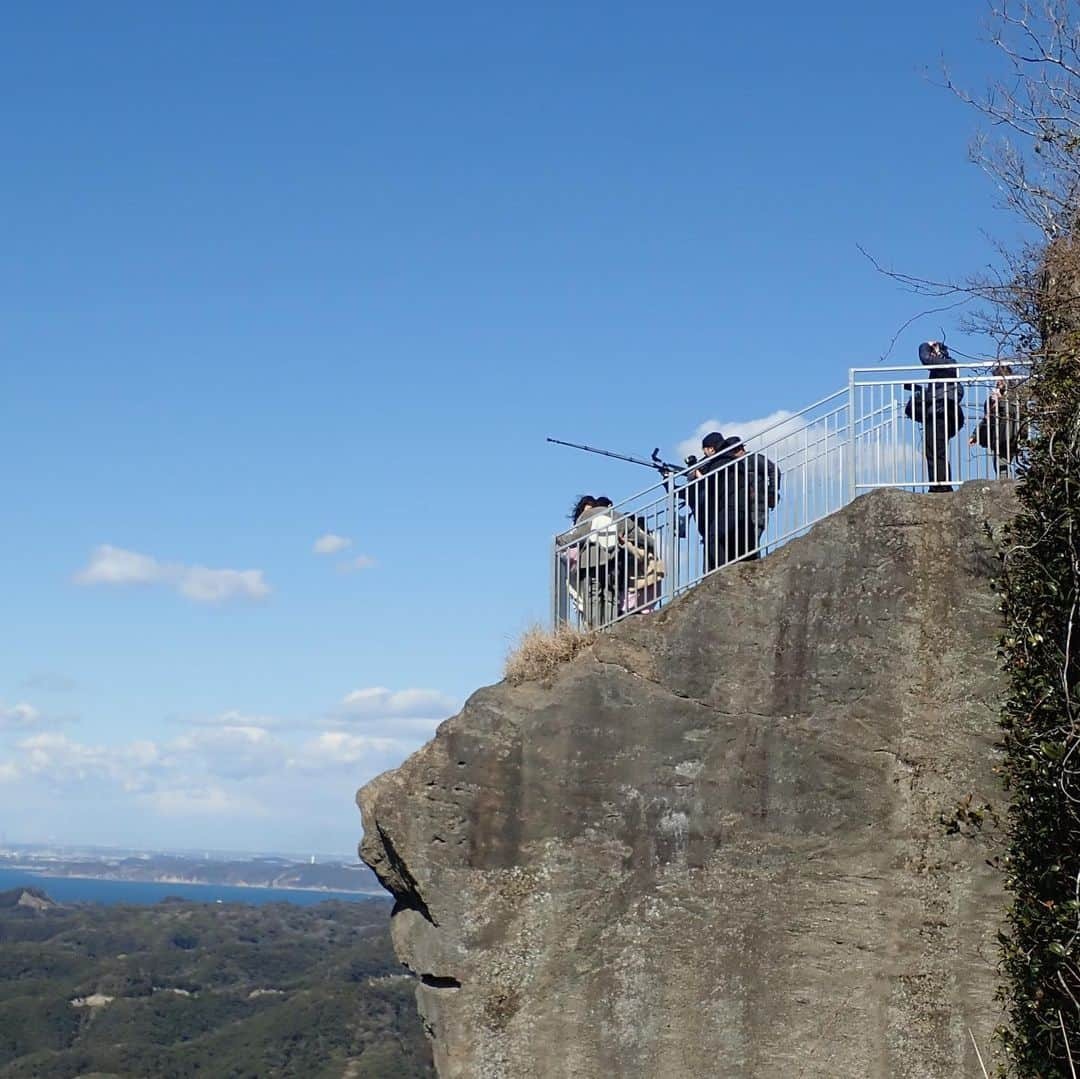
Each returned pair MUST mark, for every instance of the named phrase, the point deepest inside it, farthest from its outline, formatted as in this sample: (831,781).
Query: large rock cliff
(734,838)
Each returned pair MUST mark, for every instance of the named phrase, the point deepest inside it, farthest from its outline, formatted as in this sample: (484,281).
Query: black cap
(729,444)
(713,441)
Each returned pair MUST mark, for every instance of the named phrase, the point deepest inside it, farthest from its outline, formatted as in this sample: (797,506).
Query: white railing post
(554,584)
(818,449)
(671,567)
(850,459)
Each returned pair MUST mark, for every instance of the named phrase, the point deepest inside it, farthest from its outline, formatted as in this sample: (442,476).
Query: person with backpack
(936,406)
(755,491)
(709,494)
(639,569)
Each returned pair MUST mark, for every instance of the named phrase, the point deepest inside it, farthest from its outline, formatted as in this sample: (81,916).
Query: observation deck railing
(650,548)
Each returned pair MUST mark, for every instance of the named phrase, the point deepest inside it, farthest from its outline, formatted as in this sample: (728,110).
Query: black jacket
(714,498)
(943,398)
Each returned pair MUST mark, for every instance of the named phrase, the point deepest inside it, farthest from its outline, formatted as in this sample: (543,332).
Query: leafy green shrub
(1040,587)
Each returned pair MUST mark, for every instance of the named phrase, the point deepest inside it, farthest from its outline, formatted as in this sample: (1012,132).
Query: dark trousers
(716,550)
(936,449)
(745,540)
(730,542)
(598,600)
(1000,435)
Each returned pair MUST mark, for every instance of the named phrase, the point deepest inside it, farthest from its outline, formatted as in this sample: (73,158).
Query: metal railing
(891,427)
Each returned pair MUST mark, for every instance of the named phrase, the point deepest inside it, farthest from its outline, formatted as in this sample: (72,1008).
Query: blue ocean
(79,890)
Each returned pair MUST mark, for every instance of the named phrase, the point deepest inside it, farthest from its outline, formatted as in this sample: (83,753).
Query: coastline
(108,891)
(165,880)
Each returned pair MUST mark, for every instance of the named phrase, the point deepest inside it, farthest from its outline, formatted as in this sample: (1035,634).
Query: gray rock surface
(717,844)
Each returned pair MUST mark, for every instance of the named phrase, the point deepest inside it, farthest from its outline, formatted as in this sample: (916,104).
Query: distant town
(316,873)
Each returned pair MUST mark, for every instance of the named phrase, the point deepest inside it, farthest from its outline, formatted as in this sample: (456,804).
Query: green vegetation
(1036,305)
(1032,315)
(1041,593)
(187,989)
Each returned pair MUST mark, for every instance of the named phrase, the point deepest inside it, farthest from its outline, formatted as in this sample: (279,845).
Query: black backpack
(942,398)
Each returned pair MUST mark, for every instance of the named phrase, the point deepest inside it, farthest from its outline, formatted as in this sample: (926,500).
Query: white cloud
(331,544)
(144,767)
(231,771)
(203,801)
(403,716)
(334,544)
(744,429)
(378,702)
(233,779)
(114,565)
(218,585)
(811,452)
(354,565)
(110,565)
(406,716)
(23,718)
(65,763)
(234,719)
(19,717)
(229,752)
(335,749)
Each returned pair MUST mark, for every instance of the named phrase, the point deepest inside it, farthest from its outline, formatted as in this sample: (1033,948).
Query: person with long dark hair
(611,562)
(1000,430)
(590,550)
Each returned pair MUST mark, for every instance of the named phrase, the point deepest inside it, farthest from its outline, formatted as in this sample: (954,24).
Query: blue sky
(270,274)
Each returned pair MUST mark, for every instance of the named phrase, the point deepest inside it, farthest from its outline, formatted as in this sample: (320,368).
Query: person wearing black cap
(755,490)
(710,495)
(714,442)
(937,408)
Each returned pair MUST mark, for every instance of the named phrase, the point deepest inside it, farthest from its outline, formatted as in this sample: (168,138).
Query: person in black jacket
(730,494)
(755,490)
(937,408)
(709,495)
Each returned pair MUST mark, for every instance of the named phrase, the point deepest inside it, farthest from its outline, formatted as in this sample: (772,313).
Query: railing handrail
(927,366)
(662,483)
(858,438)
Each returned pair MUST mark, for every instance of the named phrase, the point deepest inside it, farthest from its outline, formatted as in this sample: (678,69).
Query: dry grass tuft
(540,653)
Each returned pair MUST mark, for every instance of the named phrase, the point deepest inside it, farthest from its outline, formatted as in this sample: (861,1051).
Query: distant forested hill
(185,989)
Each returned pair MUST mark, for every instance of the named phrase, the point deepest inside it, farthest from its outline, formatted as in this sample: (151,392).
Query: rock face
(29,898)
(34,899)
(729,839)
